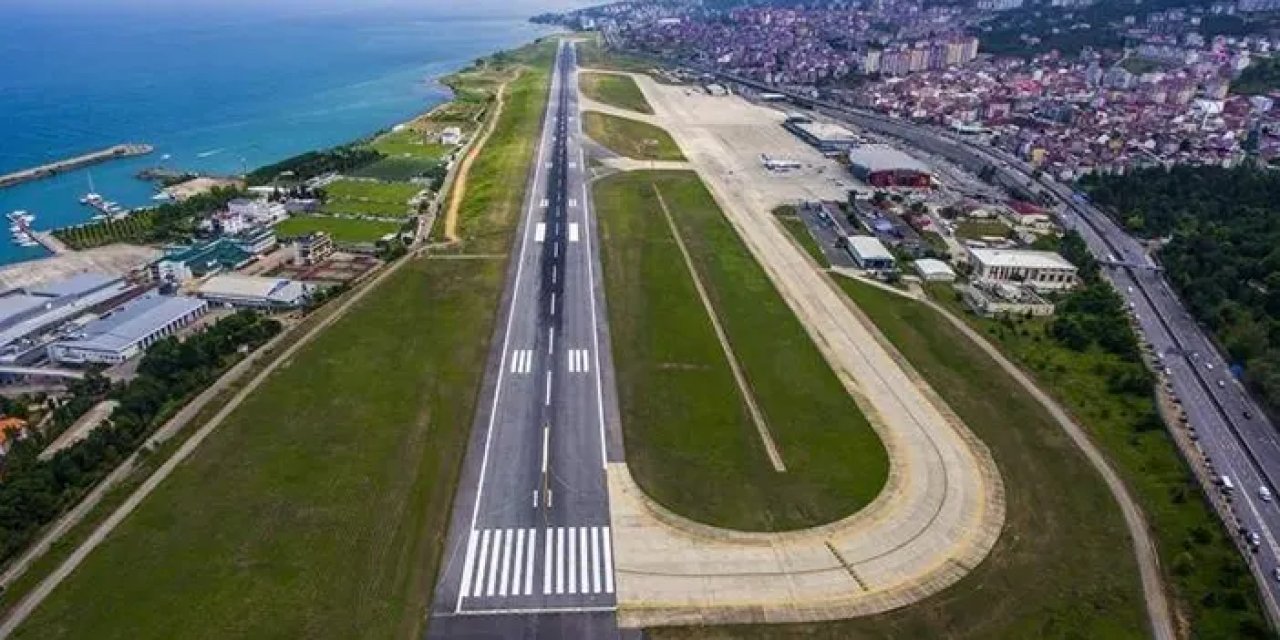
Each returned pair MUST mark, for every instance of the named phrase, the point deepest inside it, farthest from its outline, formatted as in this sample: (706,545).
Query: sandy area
(116,259)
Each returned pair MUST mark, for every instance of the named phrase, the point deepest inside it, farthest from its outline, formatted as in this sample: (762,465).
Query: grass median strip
(1063,566)
(631,138)
(690,440)
(614,90)
(340,229)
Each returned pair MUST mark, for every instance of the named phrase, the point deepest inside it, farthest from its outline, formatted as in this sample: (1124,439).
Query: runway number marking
(579,361)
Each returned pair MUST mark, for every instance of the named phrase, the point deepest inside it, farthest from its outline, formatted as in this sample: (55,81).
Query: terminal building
(127,330)
(254,292)
(1040,270)
(826,137)
(881,165)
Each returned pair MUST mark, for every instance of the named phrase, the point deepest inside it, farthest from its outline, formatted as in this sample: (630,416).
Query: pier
(71,164)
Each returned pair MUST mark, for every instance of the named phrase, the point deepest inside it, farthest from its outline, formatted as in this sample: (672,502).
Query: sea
(217,86)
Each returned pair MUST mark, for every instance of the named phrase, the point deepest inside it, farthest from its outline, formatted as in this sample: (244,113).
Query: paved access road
(530,551)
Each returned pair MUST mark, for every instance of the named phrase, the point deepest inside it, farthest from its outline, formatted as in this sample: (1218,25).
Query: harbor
(70,164)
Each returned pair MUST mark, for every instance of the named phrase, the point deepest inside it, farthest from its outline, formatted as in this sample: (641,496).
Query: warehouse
(254,292)
(1040,270)
(869,253)
(881,165)
(127,330)
(828,138)
(933,270)
(29,315)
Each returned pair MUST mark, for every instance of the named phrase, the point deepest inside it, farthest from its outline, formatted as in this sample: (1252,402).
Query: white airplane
(775,164)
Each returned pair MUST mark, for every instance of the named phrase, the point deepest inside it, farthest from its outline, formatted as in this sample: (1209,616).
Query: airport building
(869,253)
(1040,270)
(826,137)
(881,165)
(127,330)
(254,292)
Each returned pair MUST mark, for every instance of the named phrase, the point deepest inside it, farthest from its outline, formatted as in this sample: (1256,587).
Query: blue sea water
(216,88)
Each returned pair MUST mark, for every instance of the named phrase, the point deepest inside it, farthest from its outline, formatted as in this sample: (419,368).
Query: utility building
(127,330)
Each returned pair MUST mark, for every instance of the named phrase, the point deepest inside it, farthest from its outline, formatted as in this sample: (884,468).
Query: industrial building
(127,330)
(881,165)
(254,292)
(1040,270)
(826,137)
(988,298)
(934,270)
(30,315)
(869,253)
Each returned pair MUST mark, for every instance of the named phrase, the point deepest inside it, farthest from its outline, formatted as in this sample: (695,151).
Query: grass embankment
(630,138)
(320,507)
(1212,586)
(690,441)
(342,230)
(979,229)
(371,198)
(593,55)
(795,226)
(614,90)
(1063,566)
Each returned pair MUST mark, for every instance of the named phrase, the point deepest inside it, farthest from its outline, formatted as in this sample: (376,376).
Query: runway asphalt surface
(529,552)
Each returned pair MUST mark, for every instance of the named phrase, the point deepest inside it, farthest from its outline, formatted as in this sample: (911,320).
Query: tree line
(316,163)
(1220,235)
(34,492)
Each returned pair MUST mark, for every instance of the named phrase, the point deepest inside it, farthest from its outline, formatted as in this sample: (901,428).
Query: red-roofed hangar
(881,165)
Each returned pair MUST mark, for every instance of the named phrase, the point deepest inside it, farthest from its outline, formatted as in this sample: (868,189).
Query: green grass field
(615,90)
(411,144)
(1063,567)
(630,138)
(361,197)
(1210,580)
(395,169)
(978,229)
(320,507)
(689,439)
(340,229)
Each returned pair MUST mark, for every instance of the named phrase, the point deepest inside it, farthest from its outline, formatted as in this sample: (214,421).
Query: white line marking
(493,563)
(573,232)
(608,560)
(528,563)
(553,274)
(555,250)
(483,558)
(540,232)
(506,339)
(502,612)
(559,560)
(547,400)
(546,566)
(545,202)
(551,340)
(553,303)
(573,561)
(517,566)
(573,165)
(546,439)
(468,563)
(535,498)
(503,581)
(583,552)
(595,559)
(595,339)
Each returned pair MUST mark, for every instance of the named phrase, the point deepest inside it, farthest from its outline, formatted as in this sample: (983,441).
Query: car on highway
(1222,384)
(1209,366)
(1246,414)
(1253,539)
(1276,574)
(1264,493)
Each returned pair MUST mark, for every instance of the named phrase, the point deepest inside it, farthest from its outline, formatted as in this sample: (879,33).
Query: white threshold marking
(573,232)
(579,361)
(573,202)
(545,203)
(522,361)
(540,232)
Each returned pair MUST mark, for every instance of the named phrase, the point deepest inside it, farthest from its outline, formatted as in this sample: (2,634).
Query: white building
(1040,270)
(254,292)
(451,136)
(127,330)
(932,270)
(869,253)
(258,212)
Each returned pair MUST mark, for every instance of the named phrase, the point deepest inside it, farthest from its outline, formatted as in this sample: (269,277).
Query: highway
(530,551)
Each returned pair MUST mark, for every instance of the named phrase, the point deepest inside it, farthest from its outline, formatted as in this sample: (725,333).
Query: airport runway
(530,549)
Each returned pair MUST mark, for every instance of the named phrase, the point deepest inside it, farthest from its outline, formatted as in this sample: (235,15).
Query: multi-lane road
(530,551)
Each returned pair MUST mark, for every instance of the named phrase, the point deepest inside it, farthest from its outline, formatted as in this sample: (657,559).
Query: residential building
(261,212)
(127,330)
(312,249)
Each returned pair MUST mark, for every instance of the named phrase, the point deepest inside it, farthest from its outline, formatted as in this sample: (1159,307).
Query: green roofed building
(196,261)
